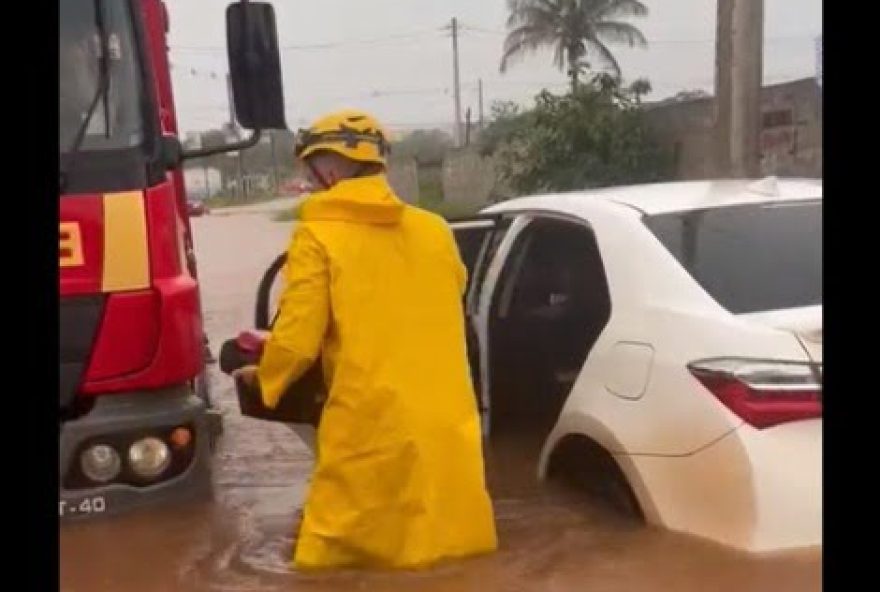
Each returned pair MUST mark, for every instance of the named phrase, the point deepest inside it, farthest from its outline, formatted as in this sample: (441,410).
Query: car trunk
(805,323)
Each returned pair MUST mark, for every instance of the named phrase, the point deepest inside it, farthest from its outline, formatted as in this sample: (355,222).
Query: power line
(178,70)
(327,45)
(462,27)
(712,41)
(494,83)
(781,38)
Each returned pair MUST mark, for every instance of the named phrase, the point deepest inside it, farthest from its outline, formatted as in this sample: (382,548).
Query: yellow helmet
(351,133)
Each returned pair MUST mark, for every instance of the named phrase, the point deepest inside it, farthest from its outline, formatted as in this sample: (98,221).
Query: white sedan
(662,342)
(665,342)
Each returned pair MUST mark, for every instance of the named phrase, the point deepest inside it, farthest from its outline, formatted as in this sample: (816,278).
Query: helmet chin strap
(361,171)
(317,175)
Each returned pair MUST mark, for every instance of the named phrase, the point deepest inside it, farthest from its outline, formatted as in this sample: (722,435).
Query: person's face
(325,170)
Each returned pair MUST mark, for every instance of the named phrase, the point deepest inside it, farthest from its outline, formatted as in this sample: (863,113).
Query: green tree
(593,137)
(575,29)
(639,88)
(688,95)
(427,147)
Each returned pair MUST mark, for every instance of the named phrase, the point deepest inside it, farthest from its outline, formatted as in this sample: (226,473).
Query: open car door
(302,403)
(478,239)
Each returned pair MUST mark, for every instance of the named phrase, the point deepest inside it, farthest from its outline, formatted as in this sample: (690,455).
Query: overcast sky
(394,58)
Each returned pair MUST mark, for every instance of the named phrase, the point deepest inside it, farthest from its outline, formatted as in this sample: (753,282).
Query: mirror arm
(244,144)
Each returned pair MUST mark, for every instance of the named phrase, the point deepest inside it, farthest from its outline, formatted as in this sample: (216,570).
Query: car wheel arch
(596,452)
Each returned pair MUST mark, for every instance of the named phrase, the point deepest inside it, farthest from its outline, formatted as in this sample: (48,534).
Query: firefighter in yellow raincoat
(374,286)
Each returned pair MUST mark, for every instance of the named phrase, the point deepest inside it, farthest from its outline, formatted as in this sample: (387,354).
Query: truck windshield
(117,121)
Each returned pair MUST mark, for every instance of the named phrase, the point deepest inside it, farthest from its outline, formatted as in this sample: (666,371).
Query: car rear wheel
(581,463)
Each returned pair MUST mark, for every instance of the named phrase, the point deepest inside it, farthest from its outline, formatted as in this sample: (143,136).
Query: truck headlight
(149,457)
(100,463)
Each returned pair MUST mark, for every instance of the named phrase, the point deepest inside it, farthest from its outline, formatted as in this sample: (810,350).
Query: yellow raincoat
(375,287)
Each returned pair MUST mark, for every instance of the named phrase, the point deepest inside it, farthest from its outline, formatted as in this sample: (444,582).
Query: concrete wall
(468,178)
(201,183)
(688,129)
(403,175)
(790,138)
(791,133)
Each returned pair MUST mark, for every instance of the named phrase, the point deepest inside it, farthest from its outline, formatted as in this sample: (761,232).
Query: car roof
(680,196)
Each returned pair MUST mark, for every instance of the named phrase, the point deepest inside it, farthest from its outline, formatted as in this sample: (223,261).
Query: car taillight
(763,393)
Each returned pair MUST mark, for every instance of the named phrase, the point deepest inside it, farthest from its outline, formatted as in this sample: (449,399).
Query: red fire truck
(135,413)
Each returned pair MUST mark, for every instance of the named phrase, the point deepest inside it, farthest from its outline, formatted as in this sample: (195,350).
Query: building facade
(790,135)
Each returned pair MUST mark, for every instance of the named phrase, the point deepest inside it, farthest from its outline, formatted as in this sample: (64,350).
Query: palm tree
(639,88)
(576,29)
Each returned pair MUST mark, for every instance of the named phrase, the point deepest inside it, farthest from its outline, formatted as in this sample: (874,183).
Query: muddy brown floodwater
(551,538)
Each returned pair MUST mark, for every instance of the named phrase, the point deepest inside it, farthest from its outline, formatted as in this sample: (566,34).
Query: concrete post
(738,78)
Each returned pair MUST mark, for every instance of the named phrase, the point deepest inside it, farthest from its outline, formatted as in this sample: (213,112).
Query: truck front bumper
(125,417)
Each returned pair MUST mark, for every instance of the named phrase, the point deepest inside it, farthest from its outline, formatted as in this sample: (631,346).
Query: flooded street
(551,538)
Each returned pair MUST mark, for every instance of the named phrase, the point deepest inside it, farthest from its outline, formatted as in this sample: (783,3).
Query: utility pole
(456,87)
(233,128)
(241,175)
(200,142)
(231,99)
(480,94)
(274,162)
(738,77)
(467,127)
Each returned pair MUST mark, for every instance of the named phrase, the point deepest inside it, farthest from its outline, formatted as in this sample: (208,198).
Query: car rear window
(750,258)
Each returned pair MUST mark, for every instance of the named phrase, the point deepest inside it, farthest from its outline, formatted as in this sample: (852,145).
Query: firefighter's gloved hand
(247,374)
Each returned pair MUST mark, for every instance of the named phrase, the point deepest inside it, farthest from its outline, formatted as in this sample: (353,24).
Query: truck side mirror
(171,152)
(255,65)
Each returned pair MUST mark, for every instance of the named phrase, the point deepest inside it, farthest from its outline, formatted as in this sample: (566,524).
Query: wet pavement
(551,537)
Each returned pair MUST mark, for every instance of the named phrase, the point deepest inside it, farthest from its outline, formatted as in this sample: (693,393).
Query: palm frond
(535,17)
(606,57)
(559,54)
(567,53)
(619,8)
(571,27)
(531,12)
(617,32)
(523,39)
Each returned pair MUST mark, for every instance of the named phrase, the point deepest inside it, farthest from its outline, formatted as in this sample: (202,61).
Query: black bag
(303,400)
